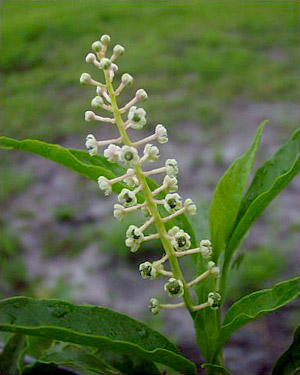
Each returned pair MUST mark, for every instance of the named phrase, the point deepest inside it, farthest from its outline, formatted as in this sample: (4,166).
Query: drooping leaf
(76,358)
(267,183)
(253,305)
(91,326)
(10,356)
(88,166)
(289,362)
(228,195)
(215,369)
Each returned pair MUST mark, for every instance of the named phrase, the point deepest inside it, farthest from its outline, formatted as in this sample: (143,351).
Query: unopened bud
(96,46)
(141,95)
(105,63)
(118,50)
(105,39)
(90,58)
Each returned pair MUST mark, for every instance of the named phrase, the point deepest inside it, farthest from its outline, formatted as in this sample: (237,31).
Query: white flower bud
(173,202)
(105,63)
(171,182)
(91,144)
(112,153)
(171,167)
(127,198)
(152,152)
(205,248)
(90,58)
(118,50)
(131,179)
(97,102)
(105,39)
(148,271)
(141,95)
(127,79)
(215,271)
(129,155)
(89,116)
(96,46)
(154,306)
(85,79)
(174,287)
(173,231)
(181,241)
(190,206)
(161,134)
(104,185)
(119,212)
(134,238)
(214,300)
(137,117)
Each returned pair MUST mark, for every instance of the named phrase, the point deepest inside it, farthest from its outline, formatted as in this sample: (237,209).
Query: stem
(160,227)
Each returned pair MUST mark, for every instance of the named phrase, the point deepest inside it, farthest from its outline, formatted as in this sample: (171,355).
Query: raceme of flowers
(134,156)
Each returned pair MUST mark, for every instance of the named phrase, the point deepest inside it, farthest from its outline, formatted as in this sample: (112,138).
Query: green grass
(194,58)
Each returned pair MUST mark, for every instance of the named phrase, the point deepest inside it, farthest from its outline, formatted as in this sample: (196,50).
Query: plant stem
(163,235)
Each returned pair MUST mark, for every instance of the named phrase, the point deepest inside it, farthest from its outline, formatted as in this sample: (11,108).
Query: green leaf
(88,166)
(289,362)
(253,305)
(267,183)
(215,369)
(76,358)
(228,195)
(11,354)
(91,326)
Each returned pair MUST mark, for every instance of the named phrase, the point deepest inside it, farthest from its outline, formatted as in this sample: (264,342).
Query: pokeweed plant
(94,339)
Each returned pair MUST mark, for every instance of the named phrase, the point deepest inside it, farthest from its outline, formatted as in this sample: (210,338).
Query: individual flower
(173,202)
(85,79)
(96,46)
(118,50)
(141,95)
(105,39)
(215,271)
(151,152)
(174,287)
(104,185)
(90,58)
(105,63)
(119,212)
(89,116)
(91,144)
(190,207)
(214,300)
(129,155)
(206,249)
(134,238)
(161,134)
(148,270)
(171,167)
(97,102)
(137,117)
(127,198)
(171,182)
(126,79)
(154,306)
(181,241)
(131,179)
(112,153)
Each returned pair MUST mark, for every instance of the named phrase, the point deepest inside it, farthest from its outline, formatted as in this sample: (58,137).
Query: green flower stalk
(135,155)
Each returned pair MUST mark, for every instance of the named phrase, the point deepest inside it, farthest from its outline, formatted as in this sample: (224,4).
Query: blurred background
(213,71)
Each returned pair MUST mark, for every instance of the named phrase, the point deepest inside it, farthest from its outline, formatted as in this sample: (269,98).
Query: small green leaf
(289,362)
(215,369)
(76,358)
(267,183)
(228,195)
(91,326)
(11,354)
(253,305)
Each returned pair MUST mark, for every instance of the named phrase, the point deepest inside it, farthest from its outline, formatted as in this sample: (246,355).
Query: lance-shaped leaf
(91,326)
(267,183)
(228,195)
(289,362)
(253,305)
(88,166)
